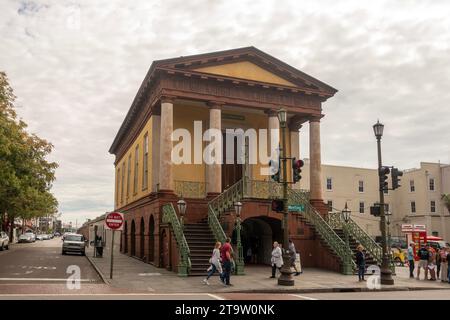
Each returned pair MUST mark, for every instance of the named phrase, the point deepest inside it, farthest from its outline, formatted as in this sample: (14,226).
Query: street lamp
(347,261)
(286,278)
(386,274)
(240,259)
(181,204)
(388,215)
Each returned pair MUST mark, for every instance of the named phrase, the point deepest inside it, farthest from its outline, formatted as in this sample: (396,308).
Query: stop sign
(114,220)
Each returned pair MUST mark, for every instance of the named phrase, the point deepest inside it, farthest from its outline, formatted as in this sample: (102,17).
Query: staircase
(201,242)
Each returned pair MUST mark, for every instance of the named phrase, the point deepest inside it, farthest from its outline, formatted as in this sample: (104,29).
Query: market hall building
(235,89)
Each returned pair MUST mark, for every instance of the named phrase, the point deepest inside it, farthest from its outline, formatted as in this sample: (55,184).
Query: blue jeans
(361,271)
(411,268)
(226,272)
(211,272)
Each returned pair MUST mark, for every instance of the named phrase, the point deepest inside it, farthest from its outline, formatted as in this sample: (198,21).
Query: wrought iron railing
(215,226)
(170,217)
(323,228)
(190,189)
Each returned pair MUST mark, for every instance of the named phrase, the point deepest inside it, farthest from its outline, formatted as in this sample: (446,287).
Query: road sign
(297,207)
(114,221)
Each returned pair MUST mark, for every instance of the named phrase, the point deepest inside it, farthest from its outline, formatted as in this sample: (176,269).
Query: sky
(76,66)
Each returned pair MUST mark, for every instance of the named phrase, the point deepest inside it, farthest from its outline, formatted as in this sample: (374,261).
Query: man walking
(411,259)
(225,253)
(293,253)
(424,255)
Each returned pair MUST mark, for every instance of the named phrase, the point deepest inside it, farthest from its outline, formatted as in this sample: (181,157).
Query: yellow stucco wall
(246,70)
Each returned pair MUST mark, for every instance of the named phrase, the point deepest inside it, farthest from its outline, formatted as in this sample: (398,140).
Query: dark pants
(438,264)
(411,268)
(361,271)
(226,272)
(211,272)
(274,269)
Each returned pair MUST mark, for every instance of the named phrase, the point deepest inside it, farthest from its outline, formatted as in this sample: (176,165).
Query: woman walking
(444,265)
(215,262)
(276,260)
(360,263)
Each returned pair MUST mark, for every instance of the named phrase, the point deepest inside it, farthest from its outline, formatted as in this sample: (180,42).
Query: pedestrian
(276,260)
(293,253)
(360,263)
(424,255)
(438,262)
(448,265)
(444,265)
(215,264)
(411,259)
(249,254)
(432,263)
(225,255)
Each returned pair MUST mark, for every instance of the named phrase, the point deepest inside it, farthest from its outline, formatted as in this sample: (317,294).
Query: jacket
(277,258)
(360,258)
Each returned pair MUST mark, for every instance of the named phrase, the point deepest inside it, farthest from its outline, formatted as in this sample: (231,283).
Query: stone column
(214,171)
(295,147)
(156,134)
(165,159)
(316,195)
(273,124)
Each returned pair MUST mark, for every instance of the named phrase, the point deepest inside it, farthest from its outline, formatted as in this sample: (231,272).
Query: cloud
(76,66)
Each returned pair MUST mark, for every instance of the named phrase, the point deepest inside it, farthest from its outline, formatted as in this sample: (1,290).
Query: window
(145,163)
(330,205)
(361,186)
(435,233)
(412,188)
(128,176)
(431,184)
(413,207)
(329,184)
(136,169)
(361,207)
(433,206)
(123,182)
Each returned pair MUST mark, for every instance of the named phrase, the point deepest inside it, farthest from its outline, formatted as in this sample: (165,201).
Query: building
(417,201)
(96,227)
(235,89)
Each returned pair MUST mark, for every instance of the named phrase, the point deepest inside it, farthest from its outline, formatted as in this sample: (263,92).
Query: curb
(104,279)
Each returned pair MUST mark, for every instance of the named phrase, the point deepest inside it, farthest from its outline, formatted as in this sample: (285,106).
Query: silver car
(74,243)
(4,241)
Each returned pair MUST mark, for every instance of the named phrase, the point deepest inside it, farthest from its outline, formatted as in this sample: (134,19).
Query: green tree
(25,173)
(446,198)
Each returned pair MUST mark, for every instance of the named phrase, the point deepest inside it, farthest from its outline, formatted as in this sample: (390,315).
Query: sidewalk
(136,275)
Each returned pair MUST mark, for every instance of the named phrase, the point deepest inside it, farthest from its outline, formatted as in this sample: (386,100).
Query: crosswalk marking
(303,297)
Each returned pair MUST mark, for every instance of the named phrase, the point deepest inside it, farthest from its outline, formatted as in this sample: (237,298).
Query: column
(316,195)
(165,159)
(274,123)
(156,134)
(214,171)
(295,147)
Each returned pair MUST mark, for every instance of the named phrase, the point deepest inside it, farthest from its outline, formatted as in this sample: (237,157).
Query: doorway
(133,239)
(232,171)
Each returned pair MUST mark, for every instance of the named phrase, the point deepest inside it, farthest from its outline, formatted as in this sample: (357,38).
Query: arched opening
(124,241)
(258,234)
(165,253)
(142,237)
(133,238)
(151,239)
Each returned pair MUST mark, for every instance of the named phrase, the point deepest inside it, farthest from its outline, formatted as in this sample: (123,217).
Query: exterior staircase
(201,242)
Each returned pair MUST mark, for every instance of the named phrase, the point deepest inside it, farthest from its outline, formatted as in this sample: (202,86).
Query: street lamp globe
(282,117)
(378,129)
(238,208)
(181,204)
(346,213)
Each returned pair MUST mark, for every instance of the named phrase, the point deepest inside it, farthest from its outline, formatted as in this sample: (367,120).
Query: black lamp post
(240,259)
(286,278)
(386,274)
(181,204)
(346,217)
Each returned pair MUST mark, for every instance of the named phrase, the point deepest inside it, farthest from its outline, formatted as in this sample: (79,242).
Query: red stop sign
(114,220)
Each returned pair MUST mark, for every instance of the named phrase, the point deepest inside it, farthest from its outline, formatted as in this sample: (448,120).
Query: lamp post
(346,217)
(386,274)
(181,204)
(240,259)
(286,278)
(388,215)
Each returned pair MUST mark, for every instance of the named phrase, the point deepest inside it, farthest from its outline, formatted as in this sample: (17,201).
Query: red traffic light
(298,164)
(277,205)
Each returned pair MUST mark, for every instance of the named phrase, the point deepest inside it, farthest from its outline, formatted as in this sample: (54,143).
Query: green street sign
(296,207)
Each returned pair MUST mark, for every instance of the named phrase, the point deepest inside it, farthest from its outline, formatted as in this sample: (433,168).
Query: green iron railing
(296,197)
(190,189)
(170,217)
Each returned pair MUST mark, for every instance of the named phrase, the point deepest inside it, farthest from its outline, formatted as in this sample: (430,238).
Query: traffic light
(383,172)
(276,176)
(396,174)
(375,210)
(277,205)
(296,169)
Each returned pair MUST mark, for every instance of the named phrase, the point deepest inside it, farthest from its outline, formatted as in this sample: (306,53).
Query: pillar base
(320,206)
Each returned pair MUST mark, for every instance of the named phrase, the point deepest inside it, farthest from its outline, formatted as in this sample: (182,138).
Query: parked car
(57,234)
(46,237)
(40,237)
(399,256)
(74,243)
(4,241)
(32,234)
(27,237)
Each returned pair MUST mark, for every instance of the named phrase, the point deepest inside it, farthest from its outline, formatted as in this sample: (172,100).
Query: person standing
(215,263)
(444,265)
(424,255)
(438,262)
(448,265)
(249,254)
(360,263)
(411,259)
(225,254)
(432,263)
(276,260)
(293,253)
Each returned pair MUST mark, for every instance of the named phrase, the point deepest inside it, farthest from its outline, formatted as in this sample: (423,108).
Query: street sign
(114,221)
(297,208)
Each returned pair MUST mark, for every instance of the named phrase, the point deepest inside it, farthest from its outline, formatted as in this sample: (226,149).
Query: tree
(25,173)
(446,198)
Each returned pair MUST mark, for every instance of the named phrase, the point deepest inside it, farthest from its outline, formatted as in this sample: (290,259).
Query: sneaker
(272,276)
(229,285)
(205,282)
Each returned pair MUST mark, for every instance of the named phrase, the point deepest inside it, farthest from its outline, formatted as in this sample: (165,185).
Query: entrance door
(231,173)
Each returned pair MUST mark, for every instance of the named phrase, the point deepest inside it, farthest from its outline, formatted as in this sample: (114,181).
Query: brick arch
(142,239)
(151,239)
(133,238)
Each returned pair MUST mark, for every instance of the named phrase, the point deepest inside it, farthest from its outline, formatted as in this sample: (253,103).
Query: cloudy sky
(76,66)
